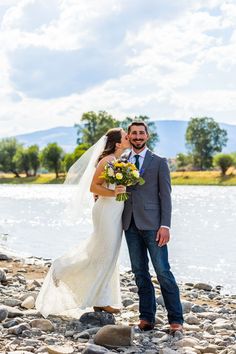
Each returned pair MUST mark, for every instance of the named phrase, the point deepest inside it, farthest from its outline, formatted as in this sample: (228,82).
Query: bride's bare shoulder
(106,159)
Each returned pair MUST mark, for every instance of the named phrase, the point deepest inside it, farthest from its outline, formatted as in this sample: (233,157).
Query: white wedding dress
(88,275)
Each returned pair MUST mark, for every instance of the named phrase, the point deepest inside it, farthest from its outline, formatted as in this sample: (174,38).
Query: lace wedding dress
(88,275)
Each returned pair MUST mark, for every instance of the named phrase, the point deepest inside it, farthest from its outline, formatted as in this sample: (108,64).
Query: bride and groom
(88,275)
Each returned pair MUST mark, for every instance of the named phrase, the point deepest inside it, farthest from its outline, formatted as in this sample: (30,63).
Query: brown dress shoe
(174,327)
(145,325)
(108,309)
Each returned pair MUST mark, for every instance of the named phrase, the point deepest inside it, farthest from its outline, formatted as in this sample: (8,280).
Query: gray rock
(18,329)
(192,319)
(95,349)
(12,312)
(186,306)
(3,276)
(127,302)
(160,301)
(27,334)
(12,323)
(4,257)
(133,289)
(198,309)
(167,351)
(42,324)
(74,325)
(3,314)
(203,286)
(112,336)
(83,335)
(97,318)
(212,316)
(12,302)
(187,342)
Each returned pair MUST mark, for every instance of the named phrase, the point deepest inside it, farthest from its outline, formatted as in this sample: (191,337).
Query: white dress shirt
(142,155)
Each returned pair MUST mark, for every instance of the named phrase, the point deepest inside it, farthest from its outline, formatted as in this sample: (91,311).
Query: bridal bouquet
(122,172)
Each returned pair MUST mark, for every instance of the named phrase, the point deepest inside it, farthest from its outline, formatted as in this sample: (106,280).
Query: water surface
(203,241)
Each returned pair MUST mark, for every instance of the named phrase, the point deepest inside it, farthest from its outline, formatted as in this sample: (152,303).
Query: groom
(146,221)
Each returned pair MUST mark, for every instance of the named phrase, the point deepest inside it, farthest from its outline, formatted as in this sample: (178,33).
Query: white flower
(110,172)
(135,174)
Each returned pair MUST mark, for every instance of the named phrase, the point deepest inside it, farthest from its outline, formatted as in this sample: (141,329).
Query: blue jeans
(139,243)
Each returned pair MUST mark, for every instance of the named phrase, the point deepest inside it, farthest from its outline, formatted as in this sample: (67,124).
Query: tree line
(204,140)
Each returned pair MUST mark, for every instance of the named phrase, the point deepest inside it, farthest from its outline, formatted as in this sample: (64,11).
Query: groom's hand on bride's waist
(163,236)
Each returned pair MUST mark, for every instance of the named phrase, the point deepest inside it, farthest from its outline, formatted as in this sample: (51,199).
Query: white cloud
(166,59)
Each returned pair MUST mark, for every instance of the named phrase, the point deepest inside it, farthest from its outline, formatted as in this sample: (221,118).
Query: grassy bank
(178,178)
(47,178)
(203,178)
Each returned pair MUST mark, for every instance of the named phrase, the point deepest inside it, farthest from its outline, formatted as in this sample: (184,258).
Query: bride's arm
(97,186)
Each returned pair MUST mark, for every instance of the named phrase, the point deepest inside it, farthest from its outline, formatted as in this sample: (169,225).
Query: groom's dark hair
(138,122)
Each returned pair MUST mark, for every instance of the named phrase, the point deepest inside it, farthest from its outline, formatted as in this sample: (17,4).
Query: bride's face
(124,144)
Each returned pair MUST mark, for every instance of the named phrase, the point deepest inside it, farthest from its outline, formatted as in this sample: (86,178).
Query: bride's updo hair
(113,137)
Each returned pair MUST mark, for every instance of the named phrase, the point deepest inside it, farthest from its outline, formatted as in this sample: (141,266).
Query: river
(203,233)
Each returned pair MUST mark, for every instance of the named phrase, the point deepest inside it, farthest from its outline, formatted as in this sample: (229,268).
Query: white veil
(81,174)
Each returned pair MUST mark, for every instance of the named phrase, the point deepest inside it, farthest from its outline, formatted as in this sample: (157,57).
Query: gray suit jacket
(150,203)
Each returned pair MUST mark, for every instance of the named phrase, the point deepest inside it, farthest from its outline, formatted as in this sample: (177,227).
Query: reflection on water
(203,242)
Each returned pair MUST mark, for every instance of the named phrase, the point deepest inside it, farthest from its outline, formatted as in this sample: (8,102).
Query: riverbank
(210,318)
(213,178)
(177,178)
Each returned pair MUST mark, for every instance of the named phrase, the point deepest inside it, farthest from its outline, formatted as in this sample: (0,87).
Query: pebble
(3,314)
(3,276)
(56,349)
(203,286)
(28,303)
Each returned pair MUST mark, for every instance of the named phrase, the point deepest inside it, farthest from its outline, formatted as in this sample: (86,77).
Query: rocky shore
(210,319)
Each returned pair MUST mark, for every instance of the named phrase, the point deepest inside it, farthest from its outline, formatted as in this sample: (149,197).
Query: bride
(88,275)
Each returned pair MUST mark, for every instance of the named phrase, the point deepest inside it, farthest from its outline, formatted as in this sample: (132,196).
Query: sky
(165,59)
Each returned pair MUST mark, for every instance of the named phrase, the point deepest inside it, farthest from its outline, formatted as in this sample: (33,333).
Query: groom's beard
(138,147)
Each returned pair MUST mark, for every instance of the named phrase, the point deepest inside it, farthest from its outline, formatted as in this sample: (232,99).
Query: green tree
(153,139)
(94,125)
(51,157)
(183,161)
(224,161)
(33,152)
(68,161)
(70,158)
(204,138)
(8,149)
(22,160)
(234,158)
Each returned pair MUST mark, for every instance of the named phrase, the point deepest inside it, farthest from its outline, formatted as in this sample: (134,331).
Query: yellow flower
(135,174)
(119,175)
(119,164)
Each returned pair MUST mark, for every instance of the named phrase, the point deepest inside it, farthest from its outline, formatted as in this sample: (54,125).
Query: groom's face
(138,136)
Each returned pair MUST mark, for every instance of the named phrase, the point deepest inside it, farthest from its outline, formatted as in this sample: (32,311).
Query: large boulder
(114,336)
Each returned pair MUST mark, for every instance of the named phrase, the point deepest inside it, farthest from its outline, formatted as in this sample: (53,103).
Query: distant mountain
(171,134)
(64,136)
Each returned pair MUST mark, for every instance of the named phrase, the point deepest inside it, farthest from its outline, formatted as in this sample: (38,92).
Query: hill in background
(171,134)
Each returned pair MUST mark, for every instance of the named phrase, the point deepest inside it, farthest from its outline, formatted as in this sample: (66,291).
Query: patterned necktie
(137,161)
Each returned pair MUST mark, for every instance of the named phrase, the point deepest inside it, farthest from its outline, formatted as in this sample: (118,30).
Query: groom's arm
(165,193)
(163,234)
